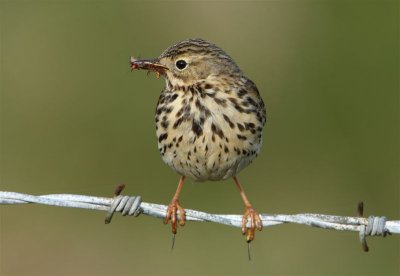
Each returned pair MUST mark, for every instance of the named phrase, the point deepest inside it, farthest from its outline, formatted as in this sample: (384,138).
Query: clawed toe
(172,214)
(255,223)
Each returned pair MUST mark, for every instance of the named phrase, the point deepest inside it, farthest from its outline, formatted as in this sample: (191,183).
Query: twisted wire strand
(133,206)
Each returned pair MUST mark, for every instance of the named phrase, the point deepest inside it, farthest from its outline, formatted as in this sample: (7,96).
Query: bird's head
(189,62)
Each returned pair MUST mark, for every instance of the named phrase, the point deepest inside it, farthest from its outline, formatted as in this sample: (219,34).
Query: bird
(209,120)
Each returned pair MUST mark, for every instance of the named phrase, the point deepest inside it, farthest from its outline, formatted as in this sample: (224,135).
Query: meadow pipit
(209,119)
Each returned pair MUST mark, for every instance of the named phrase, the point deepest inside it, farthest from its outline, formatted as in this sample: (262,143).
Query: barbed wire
(132,205)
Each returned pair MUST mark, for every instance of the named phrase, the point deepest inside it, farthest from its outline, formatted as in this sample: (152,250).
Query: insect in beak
(151,65)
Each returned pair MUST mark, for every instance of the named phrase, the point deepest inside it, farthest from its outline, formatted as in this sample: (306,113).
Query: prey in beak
(149,65)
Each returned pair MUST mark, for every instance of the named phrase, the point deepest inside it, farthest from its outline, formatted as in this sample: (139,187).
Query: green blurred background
(74,119)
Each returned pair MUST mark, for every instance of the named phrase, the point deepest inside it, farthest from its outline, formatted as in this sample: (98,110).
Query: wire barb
(127,205)
(375,227)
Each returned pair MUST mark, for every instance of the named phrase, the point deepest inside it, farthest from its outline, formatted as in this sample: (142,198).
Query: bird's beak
(149,65)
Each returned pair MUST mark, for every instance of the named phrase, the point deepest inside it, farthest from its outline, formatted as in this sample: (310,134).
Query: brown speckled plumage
(209,118)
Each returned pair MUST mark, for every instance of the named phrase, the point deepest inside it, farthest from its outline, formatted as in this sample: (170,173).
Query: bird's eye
(181,64)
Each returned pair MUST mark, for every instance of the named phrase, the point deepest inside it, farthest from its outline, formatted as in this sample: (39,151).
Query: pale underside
(228,139)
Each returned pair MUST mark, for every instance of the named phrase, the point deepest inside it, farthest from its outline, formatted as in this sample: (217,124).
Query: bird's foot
(172,214)
(255,223)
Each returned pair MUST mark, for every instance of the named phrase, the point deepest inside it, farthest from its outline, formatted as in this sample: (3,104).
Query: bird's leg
(174,207)
(255,220)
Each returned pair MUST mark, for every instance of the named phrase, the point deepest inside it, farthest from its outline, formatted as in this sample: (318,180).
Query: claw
(249,251)
(255,223)
(173,242)
(244,222)
(182,217)
(172,214)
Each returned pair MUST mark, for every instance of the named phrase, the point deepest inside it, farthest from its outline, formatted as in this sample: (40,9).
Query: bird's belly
(208,137)
(209,156)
